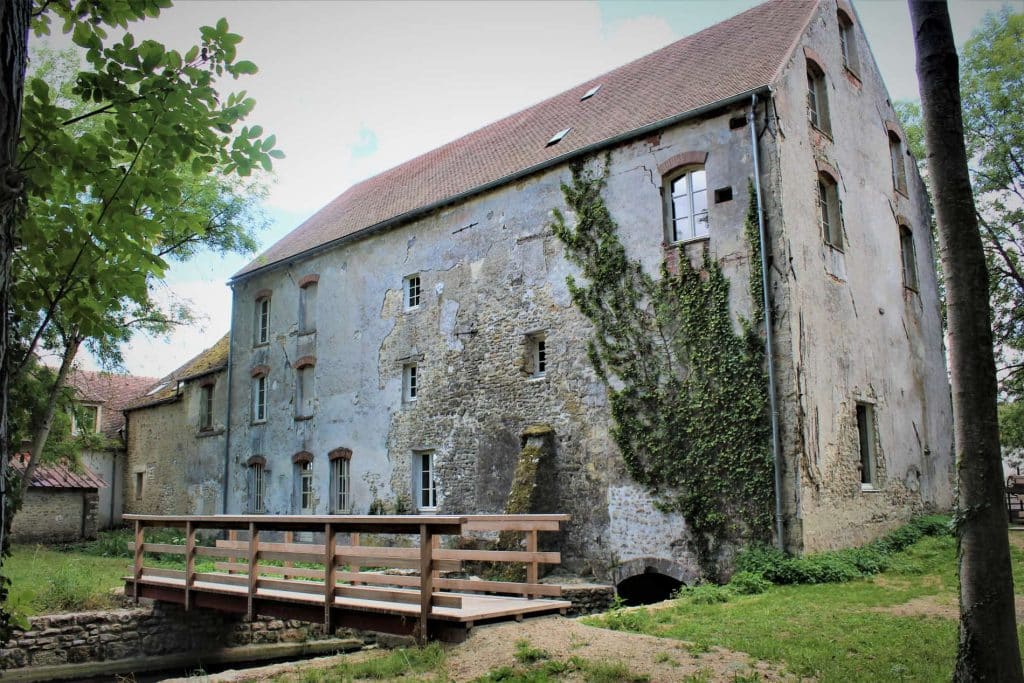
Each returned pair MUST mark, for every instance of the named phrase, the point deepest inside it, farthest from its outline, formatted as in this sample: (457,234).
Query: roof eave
(504,180)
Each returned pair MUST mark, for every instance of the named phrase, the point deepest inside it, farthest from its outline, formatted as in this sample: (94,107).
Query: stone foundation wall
(159,629)
(588,598)
(56,516)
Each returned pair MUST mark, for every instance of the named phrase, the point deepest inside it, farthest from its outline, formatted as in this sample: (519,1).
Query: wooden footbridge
(377,573)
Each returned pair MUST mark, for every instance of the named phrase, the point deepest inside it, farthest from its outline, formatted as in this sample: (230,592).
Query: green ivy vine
(688,394)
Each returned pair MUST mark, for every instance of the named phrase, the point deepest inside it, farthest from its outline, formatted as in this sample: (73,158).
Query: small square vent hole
(723,194)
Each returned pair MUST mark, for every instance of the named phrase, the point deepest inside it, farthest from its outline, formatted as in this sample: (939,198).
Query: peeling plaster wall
(182,467)
(861,336)
(491,273)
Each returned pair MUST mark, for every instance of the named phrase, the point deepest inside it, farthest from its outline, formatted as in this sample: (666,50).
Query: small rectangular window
(206,407)
(538,355)
(899,168)
(410,382)
(307,308)
(848,43)
(259,399)
(688,206)
(341,483)
(140,478)
(85,419)
(908,257)
(427,486)
(257,488)
(828,213)
(866,439)
(263,320)
(412,292)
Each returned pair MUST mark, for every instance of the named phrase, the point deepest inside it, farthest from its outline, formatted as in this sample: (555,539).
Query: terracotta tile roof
(58,475)
(728,59)
(165,389)
(112,392)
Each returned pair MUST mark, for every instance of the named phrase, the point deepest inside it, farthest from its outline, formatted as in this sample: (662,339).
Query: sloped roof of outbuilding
(58,475)
(737,56)
(164,390)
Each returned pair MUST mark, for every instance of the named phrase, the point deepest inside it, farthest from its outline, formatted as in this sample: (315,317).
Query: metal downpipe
(768,341)
(227,421)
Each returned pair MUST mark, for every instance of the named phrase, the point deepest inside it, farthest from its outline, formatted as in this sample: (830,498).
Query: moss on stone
(538,430)
(520,496)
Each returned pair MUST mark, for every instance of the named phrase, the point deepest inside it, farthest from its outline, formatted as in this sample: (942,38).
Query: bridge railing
(326,557)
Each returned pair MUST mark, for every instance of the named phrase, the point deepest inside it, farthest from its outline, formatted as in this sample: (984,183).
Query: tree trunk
(43,431)
(14,21)
(988,648)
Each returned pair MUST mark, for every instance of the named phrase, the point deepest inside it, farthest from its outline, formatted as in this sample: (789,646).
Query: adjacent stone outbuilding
(60,506)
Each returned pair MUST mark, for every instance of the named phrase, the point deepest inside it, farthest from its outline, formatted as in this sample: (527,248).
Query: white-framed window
(829,218)
(262,321)
(305,473)
(259,398)
(205,407)
(866,444)
(686,198)
(538,350)
(426,485)
(257,487)
(85,419)
(341,501)
(410,382)
(899,166)
(848,42)
(307,308)
(304,391)
(817,98)
(412,291)
(908,257)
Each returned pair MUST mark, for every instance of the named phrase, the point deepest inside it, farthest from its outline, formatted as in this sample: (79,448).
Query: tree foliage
(992,93)
(688,393)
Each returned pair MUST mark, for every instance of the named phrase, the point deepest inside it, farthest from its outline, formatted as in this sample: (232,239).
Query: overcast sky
(351,89)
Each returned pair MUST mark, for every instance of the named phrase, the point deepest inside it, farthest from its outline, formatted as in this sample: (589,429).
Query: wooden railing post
(254,553)
(355,544)
(426,580)
(139,541)
(232,536)
(289,537)
(190,562)
(330,574)
(531,568)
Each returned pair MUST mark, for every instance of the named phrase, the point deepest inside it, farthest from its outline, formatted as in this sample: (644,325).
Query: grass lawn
(857,631)
(44,580)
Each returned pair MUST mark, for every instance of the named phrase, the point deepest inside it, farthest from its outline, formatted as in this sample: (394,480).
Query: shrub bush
(748,583)
(837,566)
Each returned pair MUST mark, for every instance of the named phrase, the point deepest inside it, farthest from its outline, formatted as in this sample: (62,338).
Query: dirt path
(490,647)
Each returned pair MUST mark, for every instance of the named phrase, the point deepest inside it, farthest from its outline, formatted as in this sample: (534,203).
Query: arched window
(817,97)
(303,461)
(848,41)
(899,167)
(686,198)
(829,218)
(261,321)
(341,483)
(908,257)
(307,303)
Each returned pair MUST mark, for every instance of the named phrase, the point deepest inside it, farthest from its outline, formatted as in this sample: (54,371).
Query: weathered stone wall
(109,466)
(848,329)
(56,516)
(492,273)
(182,467)
(159,629)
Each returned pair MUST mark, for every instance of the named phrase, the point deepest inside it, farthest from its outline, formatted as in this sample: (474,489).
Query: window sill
(835,248)
(901,193)
(412,309)
(258,422)
(536,378)
(869,488)
(305,333)
(687,241)
(260,345)
(823,133)
(204,433)
(302,418)
(427,511)
(852,76)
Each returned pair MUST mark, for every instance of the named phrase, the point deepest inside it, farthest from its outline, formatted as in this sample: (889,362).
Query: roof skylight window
(557,137)
(590,93)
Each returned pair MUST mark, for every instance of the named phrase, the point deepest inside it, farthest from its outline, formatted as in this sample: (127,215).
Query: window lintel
(340,453)
(681,160)
(260,371)
(302,457)
(256,460)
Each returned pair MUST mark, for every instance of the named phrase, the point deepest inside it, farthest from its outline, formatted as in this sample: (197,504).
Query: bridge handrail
(337,559)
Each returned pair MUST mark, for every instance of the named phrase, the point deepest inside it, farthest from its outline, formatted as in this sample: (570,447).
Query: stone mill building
(398,350)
